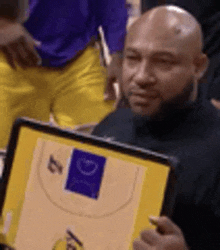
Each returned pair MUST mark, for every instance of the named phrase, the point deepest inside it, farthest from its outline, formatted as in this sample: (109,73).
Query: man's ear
(201,64)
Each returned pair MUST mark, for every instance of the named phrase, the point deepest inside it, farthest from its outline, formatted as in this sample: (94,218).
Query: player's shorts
(73,94)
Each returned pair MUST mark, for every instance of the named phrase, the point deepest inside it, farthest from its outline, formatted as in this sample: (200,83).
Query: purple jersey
(65,27)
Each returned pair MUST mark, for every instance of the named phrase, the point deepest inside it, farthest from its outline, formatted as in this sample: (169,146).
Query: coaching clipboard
(67,190)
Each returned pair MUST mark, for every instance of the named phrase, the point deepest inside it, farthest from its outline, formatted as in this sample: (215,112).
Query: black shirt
(193,136)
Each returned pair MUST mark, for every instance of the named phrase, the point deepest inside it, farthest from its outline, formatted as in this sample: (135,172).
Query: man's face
(158,70)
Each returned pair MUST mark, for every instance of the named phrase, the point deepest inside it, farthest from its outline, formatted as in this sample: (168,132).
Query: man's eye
(132,58)
(164,61)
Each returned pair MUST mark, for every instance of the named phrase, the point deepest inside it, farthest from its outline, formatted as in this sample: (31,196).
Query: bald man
(163,63)
(208,15)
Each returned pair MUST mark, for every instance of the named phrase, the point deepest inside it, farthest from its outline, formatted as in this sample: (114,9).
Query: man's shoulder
(209,118)
(114,123)
(211,115)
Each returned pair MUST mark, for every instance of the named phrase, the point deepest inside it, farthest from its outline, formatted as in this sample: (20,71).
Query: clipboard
(67,190)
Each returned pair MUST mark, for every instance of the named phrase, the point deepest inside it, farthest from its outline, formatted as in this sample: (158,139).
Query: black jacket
(193,136)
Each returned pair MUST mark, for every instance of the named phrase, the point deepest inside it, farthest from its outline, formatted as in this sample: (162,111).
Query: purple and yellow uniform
(70,83)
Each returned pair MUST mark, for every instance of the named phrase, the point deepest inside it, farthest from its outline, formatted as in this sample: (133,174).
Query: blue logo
(85,173)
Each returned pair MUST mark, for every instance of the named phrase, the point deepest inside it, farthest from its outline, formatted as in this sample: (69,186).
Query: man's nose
(144,74)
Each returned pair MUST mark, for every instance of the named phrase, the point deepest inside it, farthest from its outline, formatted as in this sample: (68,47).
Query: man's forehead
(153,50)
(155,44)
(163,28)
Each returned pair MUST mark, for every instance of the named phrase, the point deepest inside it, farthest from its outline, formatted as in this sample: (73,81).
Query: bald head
(170,23)
(163,61)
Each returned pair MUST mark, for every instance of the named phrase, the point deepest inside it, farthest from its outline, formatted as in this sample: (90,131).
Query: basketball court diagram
(71,187)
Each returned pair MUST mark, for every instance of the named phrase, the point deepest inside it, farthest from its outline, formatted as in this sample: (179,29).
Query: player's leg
(79,93)
(22,94)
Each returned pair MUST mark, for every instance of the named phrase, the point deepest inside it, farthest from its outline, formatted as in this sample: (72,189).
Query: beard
(181,101)
(172,106)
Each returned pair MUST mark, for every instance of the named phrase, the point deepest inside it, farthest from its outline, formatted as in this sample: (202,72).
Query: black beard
(172,106)
(179,102)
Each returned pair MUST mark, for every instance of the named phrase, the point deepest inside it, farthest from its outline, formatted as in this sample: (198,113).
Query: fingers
(30,55)
(166,226)
(18,45)
(151,237)
(23,53)
(19,54)
(140,245)
(9,56)
(167,236)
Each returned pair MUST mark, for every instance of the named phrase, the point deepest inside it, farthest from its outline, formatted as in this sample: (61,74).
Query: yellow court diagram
(79,196)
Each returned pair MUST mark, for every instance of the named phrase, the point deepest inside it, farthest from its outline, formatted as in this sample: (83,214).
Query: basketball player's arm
(16,43)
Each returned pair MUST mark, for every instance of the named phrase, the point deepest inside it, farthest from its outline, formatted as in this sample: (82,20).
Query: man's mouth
(143,94)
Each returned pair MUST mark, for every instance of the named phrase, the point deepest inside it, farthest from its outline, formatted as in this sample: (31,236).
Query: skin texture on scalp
(171,21)
(163,61)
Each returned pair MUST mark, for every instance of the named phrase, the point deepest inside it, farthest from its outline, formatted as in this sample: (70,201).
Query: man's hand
(113,75)
(167,236)
(18,45)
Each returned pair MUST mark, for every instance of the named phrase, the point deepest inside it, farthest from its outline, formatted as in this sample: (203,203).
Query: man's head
(163,61)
